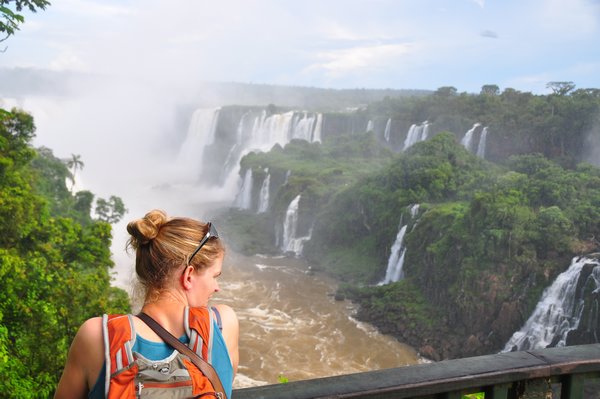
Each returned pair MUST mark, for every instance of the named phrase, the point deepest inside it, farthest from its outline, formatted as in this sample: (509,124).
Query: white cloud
(343,61)
(91,8)
(480,3)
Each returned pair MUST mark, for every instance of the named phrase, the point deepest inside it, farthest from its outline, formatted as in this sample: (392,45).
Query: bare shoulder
(231,331)
(226,312)
(84,361)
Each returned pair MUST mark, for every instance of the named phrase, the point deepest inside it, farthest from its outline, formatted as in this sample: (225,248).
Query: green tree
(54,271)
(74,164)
(490,90)
(561,88)
(110,211)
(11,17)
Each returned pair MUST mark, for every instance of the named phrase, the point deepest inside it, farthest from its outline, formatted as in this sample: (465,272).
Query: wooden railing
(564,373)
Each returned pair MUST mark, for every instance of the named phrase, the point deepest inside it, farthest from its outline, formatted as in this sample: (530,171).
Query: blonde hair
(162,246)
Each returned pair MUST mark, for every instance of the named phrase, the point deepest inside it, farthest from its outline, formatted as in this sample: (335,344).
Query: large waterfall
(200,134)
(218,138)
(244,198)
(415,134)
(481,145)
(291,242)
(387,131)
(263,199)
(560,310)
(467,140)
(394,270)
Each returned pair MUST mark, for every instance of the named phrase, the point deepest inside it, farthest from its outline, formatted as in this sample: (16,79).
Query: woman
(178,262)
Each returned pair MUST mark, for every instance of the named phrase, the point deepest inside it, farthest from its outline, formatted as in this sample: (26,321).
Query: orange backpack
(131,375)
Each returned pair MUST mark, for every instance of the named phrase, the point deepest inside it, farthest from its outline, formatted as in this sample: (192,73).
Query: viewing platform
(563,373)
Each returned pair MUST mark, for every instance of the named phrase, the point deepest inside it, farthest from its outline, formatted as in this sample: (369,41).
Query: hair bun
(146,229)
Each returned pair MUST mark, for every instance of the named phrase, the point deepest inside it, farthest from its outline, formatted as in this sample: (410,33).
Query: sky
(143,58)
(399,44)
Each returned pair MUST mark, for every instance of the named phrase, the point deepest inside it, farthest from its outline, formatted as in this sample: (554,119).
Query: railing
(563,373)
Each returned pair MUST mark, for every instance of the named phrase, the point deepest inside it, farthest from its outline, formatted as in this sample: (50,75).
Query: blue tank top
(159,350)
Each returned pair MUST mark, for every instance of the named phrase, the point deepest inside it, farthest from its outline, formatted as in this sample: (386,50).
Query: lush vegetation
(54,262)
(489,235)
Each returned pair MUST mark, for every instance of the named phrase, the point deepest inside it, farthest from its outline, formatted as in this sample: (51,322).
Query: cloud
(339,62)
(480,3)
(490,34)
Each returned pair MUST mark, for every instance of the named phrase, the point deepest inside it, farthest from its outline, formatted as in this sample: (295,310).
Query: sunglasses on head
(212,233)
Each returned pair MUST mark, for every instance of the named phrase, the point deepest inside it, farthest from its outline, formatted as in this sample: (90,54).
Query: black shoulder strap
(204,366)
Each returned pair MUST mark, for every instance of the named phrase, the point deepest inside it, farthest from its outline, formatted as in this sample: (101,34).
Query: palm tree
(74,163)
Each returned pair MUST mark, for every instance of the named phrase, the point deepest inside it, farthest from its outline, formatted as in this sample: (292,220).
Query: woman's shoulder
(227,314)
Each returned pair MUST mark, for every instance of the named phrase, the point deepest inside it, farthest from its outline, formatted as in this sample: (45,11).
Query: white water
(263,199)
(244,198)
(369,126)
(290,241)
(395,264)
(201,134)
(415,134)
(467,140)
(386,132)
(291,326)
(481,145)
(557,313)
(318,129)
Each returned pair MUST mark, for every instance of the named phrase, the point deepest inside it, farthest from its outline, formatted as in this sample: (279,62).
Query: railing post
(497,391)
(572,386)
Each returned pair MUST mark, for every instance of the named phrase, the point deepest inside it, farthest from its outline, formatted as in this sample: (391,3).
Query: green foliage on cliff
(556,125)
(54,263)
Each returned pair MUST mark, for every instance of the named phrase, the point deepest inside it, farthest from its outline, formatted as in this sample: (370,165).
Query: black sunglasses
(212,233)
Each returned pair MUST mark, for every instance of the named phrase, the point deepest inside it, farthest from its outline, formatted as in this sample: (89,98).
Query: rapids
(291,326)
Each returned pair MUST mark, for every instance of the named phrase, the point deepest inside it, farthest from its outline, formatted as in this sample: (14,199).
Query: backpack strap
(202,365)
(119,337)
(217,317)
(199,326)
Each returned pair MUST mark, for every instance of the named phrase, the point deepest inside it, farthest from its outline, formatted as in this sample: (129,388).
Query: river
(291,326)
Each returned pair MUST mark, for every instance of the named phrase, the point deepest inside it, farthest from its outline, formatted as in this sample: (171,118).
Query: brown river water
(290,324)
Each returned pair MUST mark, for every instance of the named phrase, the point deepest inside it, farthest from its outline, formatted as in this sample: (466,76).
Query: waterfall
(370,126)
(481,146)
(316,138)
(290,242)
(263,199)
(394,270)
(303,127)
(200,135)
(386,132)
(415,134)
(467,140)
(244,197)
(558,312)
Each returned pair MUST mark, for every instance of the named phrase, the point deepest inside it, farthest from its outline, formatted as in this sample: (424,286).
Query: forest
(55,260)
(488,234)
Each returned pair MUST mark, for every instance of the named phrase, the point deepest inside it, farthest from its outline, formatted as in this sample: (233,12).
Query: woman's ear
(187,277)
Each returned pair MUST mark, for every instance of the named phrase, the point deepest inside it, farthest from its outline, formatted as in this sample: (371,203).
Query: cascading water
(201,134)
(559,311)
(316,138)
(386,132)
(244,198)
(415,134)
(467,140)
(481,145)
(290,242)
(370,126)
(394,271)
(263,199)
